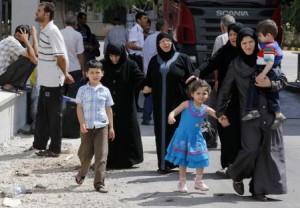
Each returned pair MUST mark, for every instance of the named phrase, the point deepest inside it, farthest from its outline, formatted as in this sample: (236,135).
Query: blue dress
(188,147)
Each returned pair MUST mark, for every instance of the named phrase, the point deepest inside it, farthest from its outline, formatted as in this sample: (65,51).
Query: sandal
(81,179)
(222,172)
(46,153)
(101,188)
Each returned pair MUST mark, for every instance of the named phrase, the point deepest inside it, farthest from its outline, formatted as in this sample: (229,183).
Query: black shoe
(147,123)
(164,171)
(259,197)
(238,186)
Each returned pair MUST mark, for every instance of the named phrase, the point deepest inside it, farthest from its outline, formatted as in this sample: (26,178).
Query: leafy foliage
(101,5)
(294,15)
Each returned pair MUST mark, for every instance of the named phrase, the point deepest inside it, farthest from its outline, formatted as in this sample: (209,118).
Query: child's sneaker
(182,187)
(199,184)
(251,115)
(278,121)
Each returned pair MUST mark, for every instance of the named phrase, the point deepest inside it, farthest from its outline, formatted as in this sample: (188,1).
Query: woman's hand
(191,78)
(147,90)
(223,120)
(265,83)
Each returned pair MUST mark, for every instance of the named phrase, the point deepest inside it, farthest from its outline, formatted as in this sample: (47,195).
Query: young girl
(188,147)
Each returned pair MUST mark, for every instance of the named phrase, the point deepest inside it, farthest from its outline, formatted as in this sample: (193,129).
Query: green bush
(291,38)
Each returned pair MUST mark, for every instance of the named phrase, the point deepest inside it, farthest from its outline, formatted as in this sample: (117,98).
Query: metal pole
(298,72)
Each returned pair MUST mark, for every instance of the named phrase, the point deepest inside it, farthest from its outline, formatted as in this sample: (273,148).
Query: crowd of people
(248,79)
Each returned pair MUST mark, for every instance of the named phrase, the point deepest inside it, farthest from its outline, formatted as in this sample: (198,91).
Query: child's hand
(171,120)
(111,134)
(83,128)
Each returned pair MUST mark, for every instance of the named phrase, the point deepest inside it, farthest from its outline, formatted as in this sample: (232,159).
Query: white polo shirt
(136,35)
(51,44)
(74,44)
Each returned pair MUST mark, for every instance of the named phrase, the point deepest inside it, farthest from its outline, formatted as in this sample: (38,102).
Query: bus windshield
(224,2)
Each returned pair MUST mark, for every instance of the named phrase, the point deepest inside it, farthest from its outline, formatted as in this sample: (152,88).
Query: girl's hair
(199,83)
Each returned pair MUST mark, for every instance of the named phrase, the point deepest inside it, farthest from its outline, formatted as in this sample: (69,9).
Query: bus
(196,23)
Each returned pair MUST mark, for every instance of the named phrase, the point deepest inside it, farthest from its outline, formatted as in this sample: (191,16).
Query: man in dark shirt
(91,44)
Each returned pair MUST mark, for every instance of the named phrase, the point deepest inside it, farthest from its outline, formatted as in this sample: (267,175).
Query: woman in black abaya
(123,78)
(230,135)
(167,72)
(261,157)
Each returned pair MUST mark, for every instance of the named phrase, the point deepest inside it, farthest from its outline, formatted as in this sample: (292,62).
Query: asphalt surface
(142,186)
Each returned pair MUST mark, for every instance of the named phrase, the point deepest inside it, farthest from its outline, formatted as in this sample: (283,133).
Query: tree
(294,15)
(101,5)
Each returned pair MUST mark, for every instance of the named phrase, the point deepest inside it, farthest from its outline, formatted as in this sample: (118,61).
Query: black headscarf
(236,27)
(115,49)
(165,56)
(250,60)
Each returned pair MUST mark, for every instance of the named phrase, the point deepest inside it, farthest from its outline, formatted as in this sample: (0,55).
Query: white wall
(23,12)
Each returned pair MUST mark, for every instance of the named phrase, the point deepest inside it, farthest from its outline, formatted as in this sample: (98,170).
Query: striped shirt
(51,44)
(269,52)
(93,101)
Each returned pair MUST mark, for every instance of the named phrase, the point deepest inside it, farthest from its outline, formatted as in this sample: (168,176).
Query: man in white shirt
(136,43)
(74,44)
(52,69)
(223,38)
(149,50)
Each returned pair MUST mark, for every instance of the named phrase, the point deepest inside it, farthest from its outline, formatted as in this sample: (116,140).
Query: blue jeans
(273,97)
(148,107)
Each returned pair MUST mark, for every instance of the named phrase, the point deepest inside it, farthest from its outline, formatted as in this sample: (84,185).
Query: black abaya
(123,79)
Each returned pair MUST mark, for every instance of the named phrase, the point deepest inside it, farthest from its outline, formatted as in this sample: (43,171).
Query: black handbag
(208,132)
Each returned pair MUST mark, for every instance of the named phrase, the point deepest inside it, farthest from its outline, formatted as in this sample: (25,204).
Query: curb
(293,87)
(291,49)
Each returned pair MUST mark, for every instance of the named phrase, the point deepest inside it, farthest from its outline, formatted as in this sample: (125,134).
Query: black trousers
(49,119)
(18,72)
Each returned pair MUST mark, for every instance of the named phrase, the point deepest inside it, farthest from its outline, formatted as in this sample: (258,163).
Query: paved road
(143,187)
(222,193)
